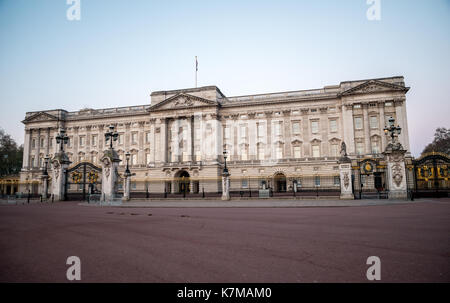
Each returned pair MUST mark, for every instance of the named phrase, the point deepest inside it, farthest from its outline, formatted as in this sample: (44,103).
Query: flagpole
(196,70)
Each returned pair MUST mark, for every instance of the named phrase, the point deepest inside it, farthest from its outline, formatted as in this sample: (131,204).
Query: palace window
(33,143)
(358,123)
(198,154)
(134,138)
(147,158)
(296,128)
(147,137)
(375,146)
(333,126)
(359,148)
(337,181)
(297,152)
(334,150)
(243,131)
(94,159)
(244,183)
(261,152)
(373,122)
(317,180)
(185,156)
(260,130)
(51,142)
(42,142)
(314,127)
(244,153)
(316,151)
(279,152)
(94,140)
(134,159)
(277,129)
(82,141)
(120,139)
(227,133)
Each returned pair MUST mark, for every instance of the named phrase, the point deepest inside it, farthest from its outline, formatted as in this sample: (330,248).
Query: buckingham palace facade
(271,139)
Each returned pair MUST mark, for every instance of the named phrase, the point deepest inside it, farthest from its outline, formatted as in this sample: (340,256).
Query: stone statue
(343,150)
(344,157)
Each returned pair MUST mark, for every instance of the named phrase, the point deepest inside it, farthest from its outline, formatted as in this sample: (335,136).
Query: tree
(10,155)
(441,142)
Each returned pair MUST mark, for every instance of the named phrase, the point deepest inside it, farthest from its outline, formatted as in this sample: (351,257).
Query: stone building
(285,140)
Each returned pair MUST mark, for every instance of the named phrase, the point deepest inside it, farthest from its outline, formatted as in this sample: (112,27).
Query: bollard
(28,198)
(146,193)
(53,198)
(203,192)
(40,197)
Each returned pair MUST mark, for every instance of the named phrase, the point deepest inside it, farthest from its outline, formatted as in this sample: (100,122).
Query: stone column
(26,149)
(60,163)
(192,140)
(252,137)
(366,129)
(217,131)
(126,187)
(382,125)
(396,173)
(141,151)
(47,148)
(225,186)
(38,148)
(153,147)
(349,134)
(76,141)
(164,137)
(110,162)
(345,171)
(287,133)
(400,112)
(268,149)
(44,187)
(234,138)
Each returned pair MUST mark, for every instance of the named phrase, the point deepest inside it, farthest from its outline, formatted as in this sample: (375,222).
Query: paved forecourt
(226,244)
(260,203)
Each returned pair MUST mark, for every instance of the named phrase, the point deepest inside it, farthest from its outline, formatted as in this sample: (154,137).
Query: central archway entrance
(280,182)
(183,182)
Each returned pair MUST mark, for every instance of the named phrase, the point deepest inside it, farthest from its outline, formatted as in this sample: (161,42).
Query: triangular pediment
(182,101)
(39,117)
(374,86)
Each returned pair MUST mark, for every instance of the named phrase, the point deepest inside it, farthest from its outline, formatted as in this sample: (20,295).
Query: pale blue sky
(120,51)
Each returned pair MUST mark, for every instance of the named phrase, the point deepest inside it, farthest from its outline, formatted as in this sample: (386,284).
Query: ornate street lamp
(62,139)
(225,169)
(393,131)
(111,135)
(127,170)
(46,159)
